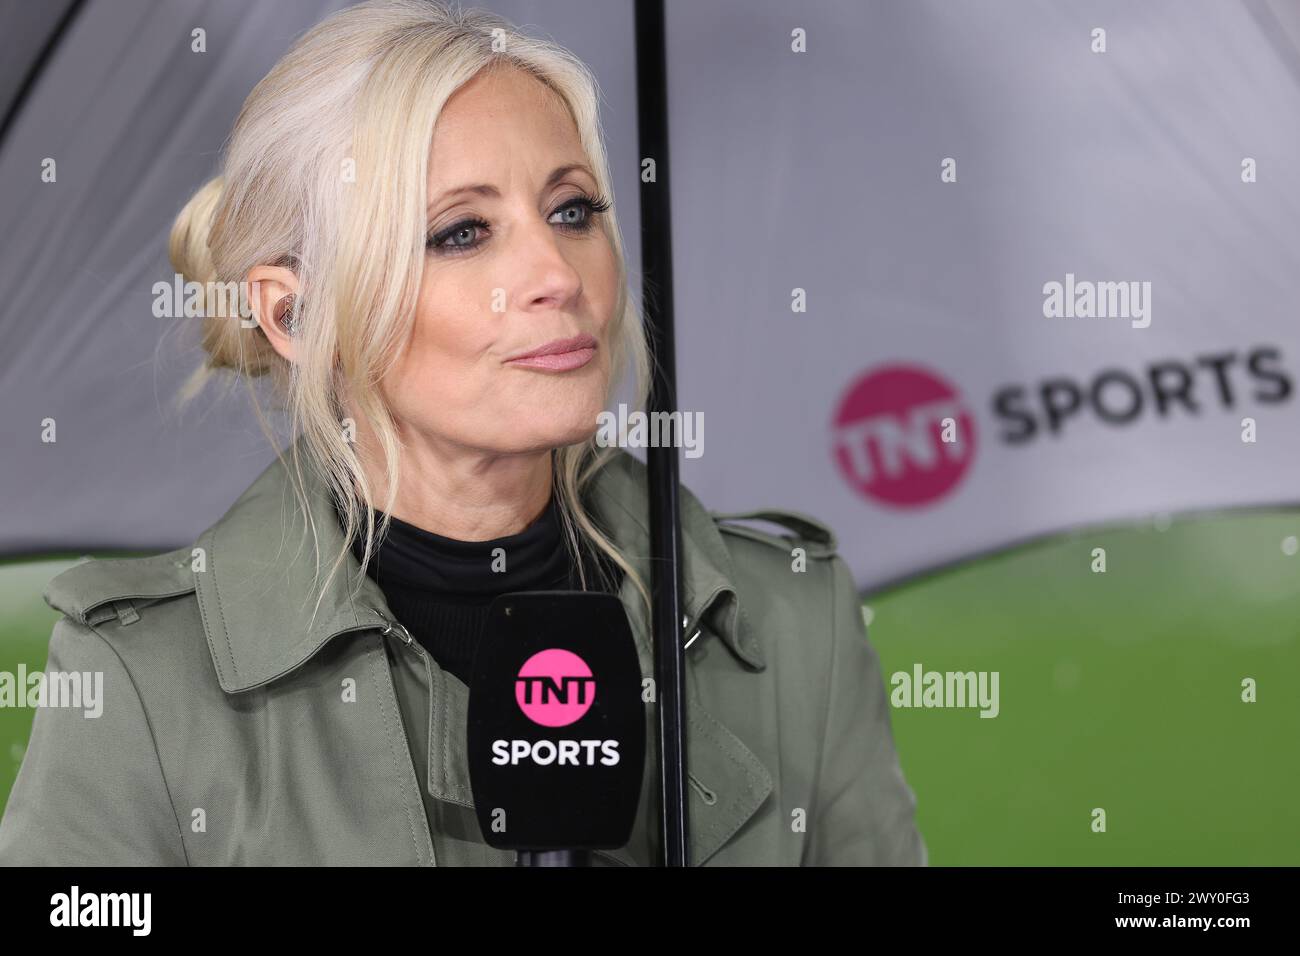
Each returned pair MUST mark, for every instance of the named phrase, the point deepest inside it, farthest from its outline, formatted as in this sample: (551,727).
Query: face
(518,259)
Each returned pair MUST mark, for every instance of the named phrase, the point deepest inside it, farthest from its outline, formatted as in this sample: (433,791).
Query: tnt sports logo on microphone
(903,436)
(555,688)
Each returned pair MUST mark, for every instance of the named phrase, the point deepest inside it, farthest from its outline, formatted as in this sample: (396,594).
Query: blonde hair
(366,86)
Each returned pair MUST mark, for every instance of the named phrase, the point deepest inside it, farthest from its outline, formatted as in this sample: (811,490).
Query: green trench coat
(228,735)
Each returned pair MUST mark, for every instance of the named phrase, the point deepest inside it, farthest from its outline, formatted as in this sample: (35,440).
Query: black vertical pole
(665,520)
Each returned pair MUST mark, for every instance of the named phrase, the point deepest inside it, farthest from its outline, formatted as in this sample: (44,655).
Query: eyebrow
(487,189)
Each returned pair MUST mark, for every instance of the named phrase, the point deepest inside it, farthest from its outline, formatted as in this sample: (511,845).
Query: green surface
(1119,690)
(25,625)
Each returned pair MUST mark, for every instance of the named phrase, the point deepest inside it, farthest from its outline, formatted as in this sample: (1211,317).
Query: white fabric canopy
(818,171)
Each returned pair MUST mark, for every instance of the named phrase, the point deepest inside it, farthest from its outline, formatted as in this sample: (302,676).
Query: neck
(462,493)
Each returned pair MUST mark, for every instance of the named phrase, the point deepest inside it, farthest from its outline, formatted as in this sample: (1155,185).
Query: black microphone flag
(556,723)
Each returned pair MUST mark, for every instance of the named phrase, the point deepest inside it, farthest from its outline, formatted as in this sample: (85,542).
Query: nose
(548,278)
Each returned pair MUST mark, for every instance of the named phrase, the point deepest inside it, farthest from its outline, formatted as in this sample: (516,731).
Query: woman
(421,206)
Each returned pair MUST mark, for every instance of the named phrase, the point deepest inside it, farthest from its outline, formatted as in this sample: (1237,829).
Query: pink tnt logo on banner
(891,443)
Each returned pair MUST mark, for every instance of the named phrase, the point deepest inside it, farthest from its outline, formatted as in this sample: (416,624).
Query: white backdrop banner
(962,275)
(948,276)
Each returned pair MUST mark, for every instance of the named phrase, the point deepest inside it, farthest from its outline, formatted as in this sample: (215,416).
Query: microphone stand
(553,858)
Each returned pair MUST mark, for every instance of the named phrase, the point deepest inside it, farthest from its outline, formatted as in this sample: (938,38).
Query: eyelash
(593,205)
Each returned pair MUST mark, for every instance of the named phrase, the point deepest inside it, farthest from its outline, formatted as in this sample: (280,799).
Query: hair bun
(188,246)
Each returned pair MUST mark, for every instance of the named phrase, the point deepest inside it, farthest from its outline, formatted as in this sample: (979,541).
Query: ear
(268,286)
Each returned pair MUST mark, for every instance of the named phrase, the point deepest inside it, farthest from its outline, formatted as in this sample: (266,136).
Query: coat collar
(257,590)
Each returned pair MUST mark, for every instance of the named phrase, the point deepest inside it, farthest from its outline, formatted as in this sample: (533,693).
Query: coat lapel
(257,596)
(257,583)
(727,783)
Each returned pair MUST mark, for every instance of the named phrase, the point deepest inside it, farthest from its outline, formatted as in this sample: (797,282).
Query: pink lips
(560,355)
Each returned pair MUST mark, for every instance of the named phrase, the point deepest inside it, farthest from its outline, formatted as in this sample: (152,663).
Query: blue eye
(578,212)
(457,232)
(576,217)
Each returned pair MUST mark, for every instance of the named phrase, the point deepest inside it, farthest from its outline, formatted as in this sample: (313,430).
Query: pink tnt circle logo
(555,687)
(903,436)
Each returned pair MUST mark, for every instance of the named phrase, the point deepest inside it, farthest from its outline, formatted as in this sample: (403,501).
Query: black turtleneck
(440,587)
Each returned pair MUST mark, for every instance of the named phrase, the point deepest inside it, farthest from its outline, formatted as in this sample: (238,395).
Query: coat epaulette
(809,533)
(100,588)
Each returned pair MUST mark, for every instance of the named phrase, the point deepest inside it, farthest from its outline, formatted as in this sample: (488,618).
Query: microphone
(556,726)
